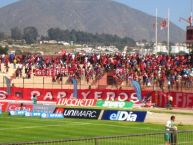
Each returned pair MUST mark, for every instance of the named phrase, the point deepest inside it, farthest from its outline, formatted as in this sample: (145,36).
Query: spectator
(170,128)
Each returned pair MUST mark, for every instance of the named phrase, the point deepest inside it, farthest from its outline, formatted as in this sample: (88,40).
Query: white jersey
(169,124)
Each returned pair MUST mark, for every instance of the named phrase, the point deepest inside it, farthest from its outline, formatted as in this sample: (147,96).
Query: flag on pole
(190,20)
(137,88)
(163,24)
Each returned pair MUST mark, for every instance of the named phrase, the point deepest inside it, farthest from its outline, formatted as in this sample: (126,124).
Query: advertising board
(114,104)
(32,114)
(180,99)
(77,102)
(131,116)
(81,113)
(15,107)
(17,113)
(52,115)
(44,108)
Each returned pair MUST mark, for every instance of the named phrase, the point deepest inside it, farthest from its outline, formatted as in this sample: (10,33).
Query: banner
(59,110)
(17,113)
(55,94)
(114,104)
(180,99)
(52,115)
(49,72)
(77,102)
(15,107)
(131,116)
(82,113)
(32,114)
(44,108)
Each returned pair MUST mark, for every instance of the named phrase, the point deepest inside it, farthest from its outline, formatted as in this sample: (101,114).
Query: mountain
(96,16)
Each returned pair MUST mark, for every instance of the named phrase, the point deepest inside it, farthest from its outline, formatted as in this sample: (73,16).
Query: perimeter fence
(46,82)
(177,138)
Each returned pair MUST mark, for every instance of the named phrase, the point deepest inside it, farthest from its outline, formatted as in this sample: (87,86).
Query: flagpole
(168,31)
(191,14)
(156,31)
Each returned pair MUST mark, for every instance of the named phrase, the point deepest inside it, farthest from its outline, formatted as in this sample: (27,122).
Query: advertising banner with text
(15,107)
(49,72)
(180,99)
(114,104)
(131,116)
(77,102)
(81,113)
(56,94)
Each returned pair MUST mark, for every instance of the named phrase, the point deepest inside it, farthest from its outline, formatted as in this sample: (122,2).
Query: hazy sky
(178,8)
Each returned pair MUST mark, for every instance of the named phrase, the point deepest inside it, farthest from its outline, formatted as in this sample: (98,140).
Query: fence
(46,82)
(183,138)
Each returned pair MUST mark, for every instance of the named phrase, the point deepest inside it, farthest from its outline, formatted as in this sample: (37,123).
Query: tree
(16,33)
(3,50)
(56,34)
(30,34)
(88,38)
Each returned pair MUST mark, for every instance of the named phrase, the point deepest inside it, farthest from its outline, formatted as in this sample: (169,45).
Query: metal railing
(46,82)
(182,138)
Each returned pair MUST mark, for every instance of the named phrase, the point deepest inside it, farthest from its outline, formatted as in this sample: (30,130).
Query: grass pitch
(22,129)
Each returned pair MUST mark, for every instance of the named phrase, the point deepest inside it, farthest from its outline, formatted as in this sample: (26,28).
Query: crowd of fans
(149,70)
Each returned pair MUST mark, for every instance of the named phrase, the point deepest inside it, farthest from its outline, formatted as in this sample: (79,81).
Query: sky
(178,8)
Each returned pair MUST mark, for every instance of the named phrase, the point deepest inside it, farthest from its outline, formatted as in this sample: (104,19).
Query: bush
(3,50)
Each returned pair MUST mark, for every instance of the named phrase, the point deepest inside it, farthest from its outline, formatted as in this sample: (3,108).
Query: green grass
(22,129)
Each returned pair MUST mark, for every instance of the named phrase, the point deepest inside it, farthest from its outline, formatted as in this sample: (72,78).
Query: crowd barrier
(47,83)
(183,138)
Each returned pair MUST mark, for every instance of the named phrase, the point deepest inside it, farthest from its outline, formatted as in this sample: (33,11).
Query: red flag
(163,24)
(190,20)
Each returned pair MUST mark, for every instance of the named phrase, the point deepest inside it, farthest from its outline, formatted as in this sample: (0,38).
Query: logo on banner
(59,110)
(32,114)
(82,113)
(131,116)
(76,102)
(114,104)
(17,113)
(52,115)
(15,107)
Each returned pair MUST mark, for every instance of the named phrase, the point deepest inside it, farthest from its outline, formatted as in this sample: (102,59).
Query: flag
(190,20)
(137,88)
(75,90)
(163,24)
(8,83)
